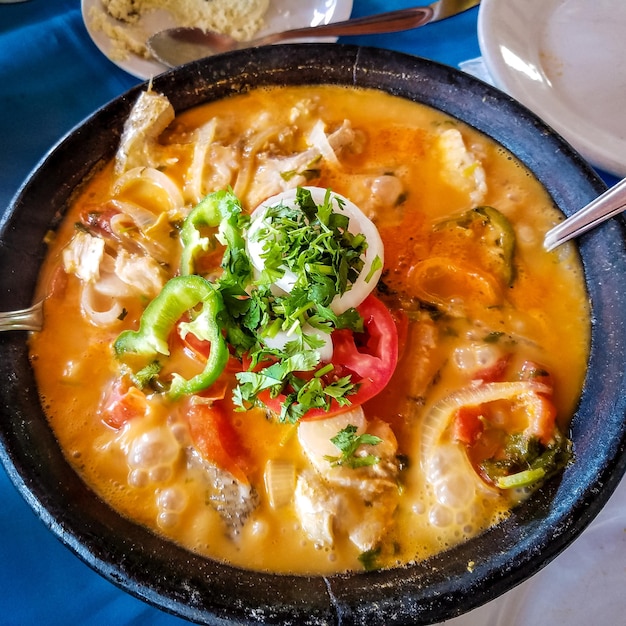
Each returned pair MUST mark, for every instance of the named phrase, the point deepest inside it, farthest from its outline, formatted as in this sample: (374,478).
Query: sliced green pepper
(496,236)
(525,461)
(179,295)
(221,210)
(524,478)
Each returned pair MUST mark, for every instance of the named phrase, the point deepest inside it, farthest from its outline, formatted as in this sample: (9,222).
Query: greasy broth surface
(545,307)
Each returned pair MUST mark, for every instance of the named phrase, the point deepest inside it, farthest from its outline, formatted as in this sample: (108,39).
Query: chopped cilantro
(348,442)
(369,559)
(376,265)
(147,375)
(313,243)
(527,462)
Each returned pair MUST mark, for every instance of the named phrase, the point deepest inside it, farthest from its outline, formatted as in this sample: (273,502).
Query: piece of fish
(335,499)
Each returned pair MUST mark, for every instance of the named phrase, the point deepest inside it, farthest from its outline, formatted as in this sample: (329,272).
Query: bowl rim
(205,591)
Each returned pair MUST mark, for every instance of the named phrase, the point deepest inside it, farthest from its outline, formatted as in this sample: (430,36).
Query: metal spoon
(24,319)
(176,46)
(607,205)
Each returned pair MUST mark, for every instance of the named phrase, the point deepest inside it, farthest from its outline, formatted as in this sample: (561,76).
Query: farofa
(239,18)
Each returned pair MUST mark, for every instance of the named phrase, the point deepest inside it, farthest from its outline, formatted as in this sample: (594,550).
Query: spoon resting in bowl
(177,46)
(605,206)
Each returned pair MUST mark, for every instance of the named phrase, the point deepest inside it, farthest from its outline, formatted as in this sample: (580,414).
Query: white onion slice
(102,317)
(445,464)
(154,177)
(440,415)
(204,137)
(142,218)
(280,482)
(359,223)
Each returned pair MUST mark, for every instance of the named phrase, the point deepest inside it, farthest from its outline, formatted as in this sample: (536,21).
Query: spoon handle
(609,204)
(389,22)
(24,319)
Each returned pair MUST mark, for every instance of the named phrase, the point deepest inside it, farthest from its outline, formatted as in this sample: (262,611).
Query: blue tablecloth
(51,77)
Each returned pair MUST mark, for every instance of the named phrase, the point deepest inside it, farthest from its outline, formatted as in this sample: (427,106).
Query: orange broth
(542,316)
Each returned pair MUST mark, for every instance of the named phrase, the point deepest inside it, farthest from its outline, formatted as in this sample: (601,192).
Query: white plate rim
(512,26)
(282,14)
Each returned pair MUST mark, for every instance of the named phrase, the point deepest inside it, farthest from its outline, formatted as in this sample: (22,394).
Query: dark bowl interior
(204,591)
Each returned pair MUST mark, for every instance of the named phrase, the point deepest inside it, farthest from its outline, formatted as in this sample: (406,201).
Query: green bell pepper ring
(500,237)
(497,238)
(179,295)
(221,210)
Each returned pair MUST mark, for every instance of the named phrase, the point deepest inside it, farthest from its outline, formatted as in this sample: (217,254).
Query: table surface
(51,77)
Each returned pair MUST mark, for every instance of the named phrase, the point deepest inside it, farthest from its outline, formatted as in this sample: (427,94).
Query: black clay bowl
(208,592)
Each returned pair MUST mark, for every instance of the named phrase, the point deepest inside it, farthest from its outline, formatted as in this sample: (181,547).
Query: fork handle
(23,319)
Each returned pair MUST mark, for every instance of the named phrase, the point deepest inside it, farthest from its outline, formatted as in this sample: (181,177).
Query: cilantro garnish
(348,443)
(301,395)
(311,242)
(369,559)
(376,265)
(146,375)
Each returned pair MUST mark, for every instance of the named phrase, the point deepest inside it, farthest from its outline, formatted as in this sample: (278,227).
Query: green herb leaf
(369,559)
(146,375)
(348,443)
(313,243)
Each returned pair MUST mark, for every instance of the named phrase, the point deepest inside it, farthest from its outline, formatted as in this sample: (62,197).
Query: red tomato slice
(369,357)
(216,439)
(467,425)
(122,403)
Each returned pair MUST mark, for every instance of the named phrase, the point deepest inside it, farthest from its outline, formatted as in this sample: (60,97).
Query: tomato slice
(369,357)
(122,403)
(199,349)
(216,439)
(467,425)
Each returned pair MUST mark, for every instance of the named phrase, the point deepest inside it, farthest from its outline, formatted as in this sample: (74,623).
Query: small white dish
(563,59)
(281,15)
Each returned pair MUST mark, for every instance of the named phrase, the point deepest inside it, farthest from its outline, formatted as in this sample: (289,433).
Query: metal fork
(23,319)
(609,204)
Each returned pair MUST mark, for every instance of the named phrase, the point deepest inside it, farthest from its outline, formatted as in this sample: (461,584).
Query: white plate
(281,15)
(564,59)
